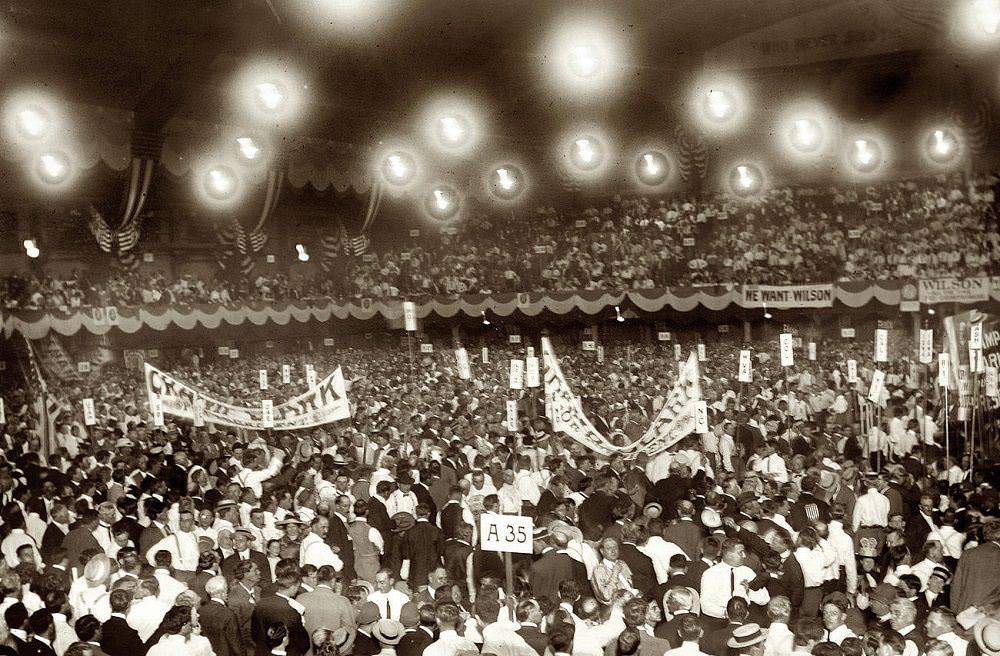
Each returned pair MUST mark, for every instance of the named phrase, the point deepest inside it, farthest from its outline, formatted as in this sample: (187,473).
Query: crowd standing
(789,528)
(933,228)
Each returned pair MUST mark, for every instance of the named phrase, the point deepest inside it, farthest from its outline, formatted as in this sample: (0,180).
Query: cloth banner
(787,296)
(676,419)
(954,290)
(324,403)
(565,407)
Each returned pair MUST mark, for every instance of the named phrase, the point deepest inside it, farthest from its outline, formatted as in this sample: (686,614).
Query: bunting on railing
(125,237)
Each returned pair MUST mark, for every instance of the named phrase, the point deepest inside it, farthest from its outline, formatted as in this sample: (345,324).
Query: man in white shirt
(402,499)
(169,586)
(690,633)
(834,611)
(388,599)
(499,635)
(727,579)
(147,612)
(843,544)
(660,551)
(182,545)
(449,642)
(941,625)
(779,636)
(17,539)
(254,472)
(872,507)
(314,550)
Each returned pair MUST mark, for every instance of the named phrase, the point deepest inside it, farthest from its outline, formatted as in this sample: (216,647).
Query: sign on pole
(267,413)
(486,355)
(198,409)
(464,369)
(89,416)
(310,376)
(677,351)
(286,374)
(262,374)
(875,391)
(976,336)
(532,378)
(992,390)
(701,353)
(517,374)
(600,353)
(511,415)
(156,409)
(881,345)
(409,316)
(944,369)
(926,346)
(812,351)
(701,417)
(746,368)
(852,371)
(787,354)
(506,533)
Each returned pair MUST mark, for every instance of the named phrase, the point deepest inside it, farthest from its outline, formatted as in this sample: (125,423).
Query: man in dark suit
(16,617)
(58,569)
(129,521)
(55,532)
(789,581)
(378,516)
(808,508)
(553,567)
(418,637)
(684,532)
(529,616)
(242,541)
(156,510)
(595,514)
(244,592)
(82,539)
(117,637)
(338,537)
(276,608)
(423,545)
(44,629)
(451,513)
(977,574)
(324,608)
(218,621)
(88,629)
(643,572)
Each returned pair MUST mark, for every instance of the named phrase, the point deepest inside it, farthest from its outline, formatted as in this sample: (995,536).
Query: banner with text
(324,403)
(954,290)
(565,407)
(787,296)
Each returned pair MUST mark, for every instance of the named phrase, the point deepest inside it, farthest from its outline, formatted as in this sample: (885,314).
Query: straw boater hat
(97,570)
(987,633)
(388,632)
(746,635)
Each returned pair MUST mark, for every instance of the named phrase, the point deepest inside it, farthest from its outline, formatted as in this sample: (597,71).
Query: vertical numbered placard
(267,413)
(511,415)
(89,415)
(310,376)
(990,380)
(944,369)
(701,417)
(262,379)
(702,356)
(787,348)
(881,345)
(409,316)
(976,336)
(286,374)
(878,382)
(677,351)
(198,409)
(812,351)
(517,374)
(600,353)
(532,376)
(156,409)
(852,371)
(746,367)
(485,356)
(462,360)
(926,351)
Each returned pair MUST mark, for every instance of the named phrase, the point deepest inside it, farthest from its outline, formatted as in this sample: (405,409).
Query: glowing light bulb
(248,148)
(719,104)
(865,154)
(34,122)
(942,146)
(745,177)
(442,202)
(53,167)
(505,182)
(453,131)
(987,13)
(806,135)
(585,60)
(441,199)
(505,179)
(220,182)
(270,95)
(651,167)
(397,166)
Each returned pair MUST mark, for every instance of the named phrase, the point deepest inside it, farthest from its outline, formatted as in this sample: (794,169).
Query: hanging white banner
(878,381)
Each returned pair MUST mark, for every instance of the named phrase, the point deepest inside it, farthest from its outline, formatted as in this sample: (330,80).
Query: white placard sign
(222,350)
(234,354)
(677,351)
(513,339)
(701,417)
(89,415)
(83,367)
(589,345)
(812,351)
(944,369)
(506,533)
(286,374)
(976,336)
(531,351)
(464,368)
(426,347)
(198,409)
(409,316)
(847,333)
(262,375)
(663,336)
(977,363)
(701,353)
(881,345)
(511,415)
(486,355)
(785,343)
(156,409)
(267,413)
(517,374)
(992,390)
(926,346)
(3,413)
(532,377)
(875,391)
(600,353)
(746,368)
(310,376)
(852,371)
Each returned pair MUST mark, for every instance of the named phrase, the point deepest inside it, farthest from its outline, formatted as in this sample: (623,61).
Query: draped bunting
(693,157)
(126,235)
(975,124)
(37,323)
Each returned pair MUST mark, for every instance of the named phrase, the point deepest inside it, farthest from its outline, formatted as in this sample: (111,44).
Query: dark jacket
(273,609)
(220,626)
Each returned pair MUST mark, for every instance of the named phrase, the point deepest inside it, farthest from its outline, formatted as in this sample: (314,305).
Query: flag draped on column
(129,229)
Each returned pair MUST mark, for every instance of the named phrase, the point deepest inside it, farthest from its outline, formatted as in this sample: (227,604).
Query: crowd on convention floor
(926,229)
(784,530)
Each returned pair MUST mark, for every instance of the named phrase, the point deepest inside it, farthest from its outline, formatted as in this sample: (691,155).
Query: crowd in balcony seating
(926,229)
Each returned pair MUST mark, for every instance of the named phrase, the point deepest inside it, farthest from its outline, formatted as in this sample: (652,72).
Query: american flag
(99,228)
(47,407)
(359,244)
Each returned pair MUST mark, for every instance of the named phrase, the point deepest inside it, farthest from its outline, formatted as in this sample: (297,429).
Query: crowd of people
(793,526)
(917,229)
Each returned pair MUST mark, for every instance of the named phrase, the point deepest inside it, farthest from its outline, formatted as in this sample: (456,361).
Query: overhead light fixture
(942,146)
(506,182)
(399,168)
(486,321)
(618,315)
(585,60)
(746,180)
(53,167)
(865,155)
(221,182)
(587,153)
(720,105)
(34,122)
(453,131)
(249,149)
(987,15)
(807,135)
(271,96)
(442,202)
(303,256)
(652,168)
